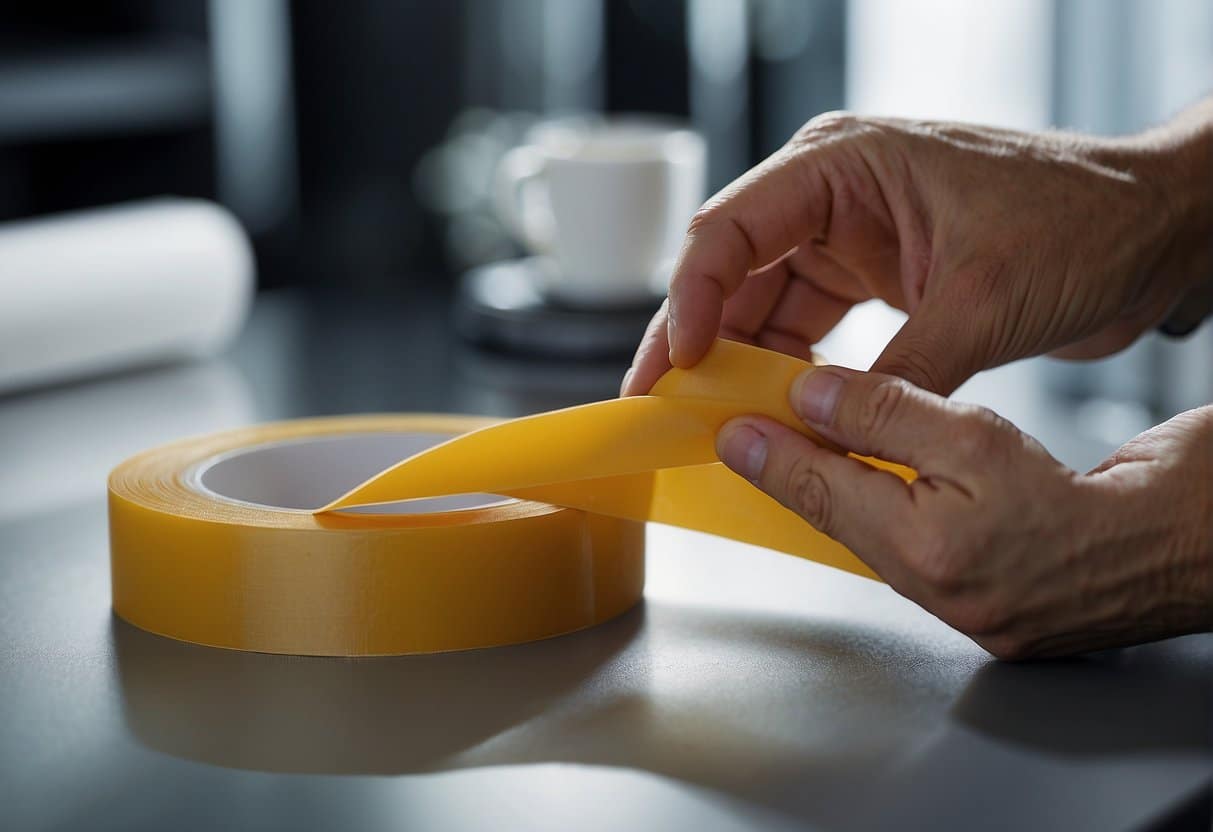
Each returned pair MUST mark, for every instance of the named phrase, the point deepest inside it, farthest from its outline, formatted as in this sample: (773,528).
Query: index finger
(753,221)
(652,358)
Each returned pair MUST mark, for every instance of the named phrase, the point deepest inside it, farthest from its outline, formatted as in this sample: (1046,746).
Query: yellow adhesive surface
(641,458)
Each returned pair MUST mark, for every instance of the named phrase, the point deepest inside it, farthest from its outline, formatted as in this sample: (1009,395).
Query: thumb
(884,416)
(932,350)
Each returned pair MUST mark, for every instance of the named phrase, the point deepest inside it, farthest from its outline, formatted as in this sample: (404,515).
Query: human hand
(995,537)
(999,245)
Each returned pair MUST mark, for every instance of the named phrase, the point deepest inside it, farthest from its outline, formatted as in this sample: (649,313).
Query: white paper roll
(110,288)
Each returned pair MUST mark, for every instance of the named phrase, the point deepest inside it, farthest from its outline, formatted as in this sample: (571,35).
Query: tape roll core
(212,542)
(282,475)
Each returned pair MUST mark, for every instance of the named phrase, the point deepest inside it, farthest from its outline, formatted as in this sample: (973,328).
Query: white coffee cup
(605,202)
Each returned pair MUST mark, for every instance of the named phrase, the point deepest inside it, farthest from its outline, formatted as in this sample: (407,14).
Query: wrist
(1169,250)
(1149,536)
(1172,503)
(1174,163)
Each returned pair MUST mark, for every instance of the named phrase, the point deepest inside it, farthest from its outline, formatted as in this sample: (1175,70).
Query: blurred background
(357,144)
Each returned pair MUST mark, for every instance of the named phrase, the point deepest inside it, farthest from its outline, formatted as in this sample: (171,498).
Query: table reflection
(619,695)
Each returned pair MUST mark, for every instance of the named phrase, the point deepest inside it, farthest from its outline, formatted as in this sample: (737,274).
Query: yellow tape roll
(195,563)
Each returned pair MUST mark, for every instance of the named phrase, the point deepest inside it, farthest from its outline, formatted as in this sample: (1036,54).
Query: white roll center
(305,474)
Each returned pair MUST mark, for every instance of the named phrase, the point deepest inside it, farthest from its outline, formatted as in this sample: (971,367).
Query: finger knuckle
(880,406)
(968,440)
(979,434)
(717,217)
(917,364)
(938,563)
(994,423)
(831,123)
(708,215)
(808,493)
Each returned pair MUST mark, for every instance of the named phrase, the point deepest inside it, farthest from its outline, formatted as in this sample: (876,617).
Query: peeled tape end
(348,500)
(359,495)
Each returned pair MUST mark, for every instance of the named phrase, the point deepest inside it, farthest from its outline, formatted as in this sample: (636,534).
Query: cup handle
(521,202)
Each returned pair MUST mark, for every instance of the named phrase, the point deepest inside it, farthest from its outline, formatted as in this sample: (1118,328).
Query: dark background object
(377,84)
(310,119)
(102,102)
(500,307)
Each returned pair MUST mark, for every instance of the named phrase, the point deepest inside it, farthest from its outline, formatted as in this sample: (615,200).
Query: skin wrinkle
(768,334)
(827,188)
(701,225)
(819,252)
(923,231)
(911,286)
(825,290)
(794,167)
(766,290)
(844,204)
(1102,593)
(827,310)
(745,236)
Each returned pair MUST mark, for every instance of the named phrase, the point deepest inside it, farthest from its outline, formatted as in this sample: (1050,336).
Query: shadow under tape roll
(636,692)
(726,699)
(364,715)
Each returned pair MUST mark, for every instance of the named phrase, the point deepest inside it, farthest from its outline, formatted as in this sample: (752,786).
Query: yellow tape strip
(643,458)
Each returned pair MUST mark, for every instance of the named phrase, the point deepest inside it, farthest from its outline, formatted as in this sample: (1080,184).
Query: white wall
(988,61)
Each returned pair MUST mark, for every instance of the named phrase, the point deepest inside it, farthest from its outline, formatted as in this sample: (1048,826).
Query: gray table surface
(749,690)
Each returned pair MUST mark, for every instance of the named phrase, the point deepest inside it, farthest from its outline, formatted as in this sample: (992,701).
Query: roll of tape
(212,541)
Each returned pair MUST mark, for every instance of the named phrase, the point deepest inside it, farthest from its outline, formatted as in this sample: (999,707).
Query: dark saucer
(502,306)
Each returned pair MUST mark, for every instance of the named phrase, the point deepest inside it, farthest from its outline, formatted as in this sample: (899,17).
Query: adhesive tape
(212,541)
(219,540)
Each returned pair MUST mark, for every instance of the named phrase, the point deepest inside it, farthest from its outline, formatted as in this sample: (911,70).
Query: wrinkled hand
(995,537)
(999,245)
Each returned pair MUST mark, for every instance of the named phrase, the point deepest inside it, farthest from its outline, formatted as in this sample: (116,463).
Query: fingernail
(814,396)
(627,379)
(671,331)
(743,449)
